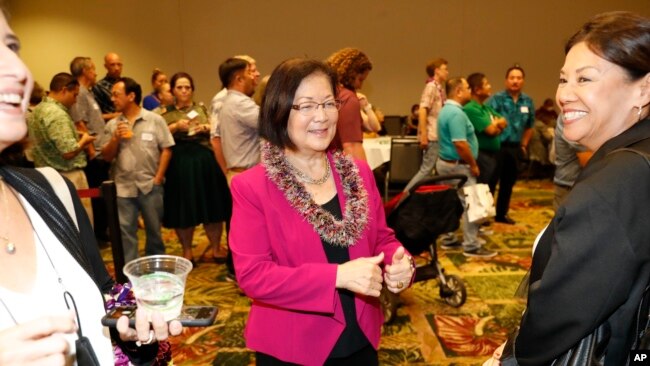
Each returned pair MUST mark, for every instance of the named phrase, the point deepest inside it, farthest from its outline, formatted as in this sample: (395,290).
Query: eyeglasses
(309,108)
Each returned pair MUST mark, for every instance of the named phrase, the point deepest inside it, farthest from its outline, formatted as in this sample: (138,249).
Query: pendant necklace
(9,246)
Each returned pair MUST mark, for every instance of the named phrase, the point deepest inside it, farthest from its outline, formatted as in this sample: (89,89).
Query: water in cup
(159,283)
(161,291)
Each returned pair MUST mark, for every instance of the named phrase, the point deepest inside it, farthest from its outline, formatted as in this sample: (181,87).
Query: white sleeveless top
(46,297)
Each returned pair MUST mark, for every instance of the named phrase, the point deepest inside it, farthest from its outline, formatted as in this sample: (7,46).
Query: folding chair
(405,161)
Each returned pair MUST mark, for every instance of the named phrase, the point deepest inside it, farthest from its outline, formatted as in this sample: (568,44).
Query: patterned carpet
(426,331)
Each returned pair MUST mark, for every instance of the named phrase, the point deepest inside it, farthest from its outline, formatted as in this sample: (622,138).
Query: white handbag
(479,203)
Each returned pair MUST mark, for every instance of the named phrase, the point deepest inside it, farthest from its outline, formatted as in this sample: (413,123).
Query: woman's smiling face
(597,98)
(16,84)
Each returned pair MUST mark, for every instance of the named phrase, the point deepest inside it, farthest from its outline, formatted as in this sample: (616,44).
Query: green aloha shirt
(53,134)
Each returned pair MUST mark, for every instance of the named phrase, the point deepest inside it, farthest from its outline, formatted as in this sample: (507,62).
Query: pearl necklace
(10,247)
(307,179)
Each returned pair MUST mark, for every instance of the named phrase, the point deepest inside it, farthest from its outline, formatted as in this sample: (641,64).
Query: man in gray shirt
(138,143)
(570,158)
(88,117)
(215,108)
(238,117)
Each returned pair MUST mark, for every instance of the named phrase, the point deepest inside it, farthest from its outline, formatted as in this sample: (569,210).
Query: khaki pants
(78,179)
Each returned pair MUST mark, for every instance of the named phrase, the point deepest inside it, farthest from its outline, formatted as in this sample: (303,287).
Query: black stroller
(418,217)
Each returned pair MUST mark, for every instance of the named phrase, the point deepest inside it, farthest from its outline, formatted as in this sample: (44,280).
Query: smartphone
(191,316)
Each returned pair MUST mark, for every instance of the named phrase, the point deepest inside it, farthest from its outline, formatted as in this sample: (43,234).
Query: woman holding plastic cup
(51,274)
(308,234)
(196,191)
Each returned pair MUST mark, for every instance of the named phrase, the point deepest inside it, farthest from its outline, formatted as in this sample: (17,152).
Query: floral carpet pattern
(425,331)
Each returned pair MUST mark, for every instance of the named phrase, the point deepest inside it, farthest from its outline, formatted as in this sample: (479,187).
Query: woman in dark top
(592,263)
(196,191)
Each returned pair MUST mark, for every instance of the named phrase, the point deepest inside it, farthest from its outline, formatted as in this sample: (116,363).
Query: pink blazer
(281,265)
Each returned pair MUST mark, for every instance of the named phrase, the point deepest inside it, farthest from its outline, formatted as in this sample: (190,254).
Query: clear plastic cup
(159,283)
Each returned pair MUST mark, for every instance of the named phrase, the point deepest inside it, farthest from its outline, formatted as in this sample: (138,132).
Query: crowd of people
(283,173)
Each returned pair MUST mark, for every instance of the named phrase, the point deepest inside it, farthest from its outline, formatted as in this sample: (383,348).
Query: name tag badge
(147,136)
(523,109)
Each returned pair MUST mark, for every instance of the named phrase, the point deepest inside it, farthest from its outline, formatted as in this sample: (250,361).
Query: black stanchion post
(109,193)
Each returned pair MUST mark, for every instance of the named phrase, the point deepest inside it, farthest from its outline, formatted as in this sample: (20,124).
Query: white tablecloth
(377,150)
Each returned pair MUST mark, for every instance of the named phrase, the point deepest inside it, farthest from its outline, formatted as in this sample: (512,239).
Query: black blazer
(593,262)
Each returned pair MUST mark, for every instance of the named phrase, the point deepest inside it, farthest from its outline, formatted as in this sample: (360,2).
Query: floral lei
(345,232)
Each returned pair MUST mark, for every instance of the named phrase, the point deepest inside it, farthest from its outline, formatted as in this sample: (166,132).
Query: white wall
(399,37)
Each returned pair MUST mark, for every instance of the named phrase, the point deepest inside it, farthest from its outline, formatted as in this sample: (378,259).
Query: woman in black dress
(196,191)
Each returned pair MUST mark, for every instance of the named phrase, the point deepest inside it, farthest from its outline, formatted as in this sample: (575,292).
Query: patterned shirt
(102,92)
(433,97)
(53,134)
(520,115)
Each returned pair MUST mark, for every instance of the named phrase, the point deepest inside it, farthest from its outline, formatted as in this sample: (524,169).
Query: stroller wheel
(389,302)
(454,292)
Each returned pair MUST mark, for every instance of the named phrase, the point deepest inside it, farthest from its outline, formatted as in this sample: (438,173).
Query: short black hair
(515,67)
(63,80)
(229,69)
(131,86)
(280,93)
(475,81)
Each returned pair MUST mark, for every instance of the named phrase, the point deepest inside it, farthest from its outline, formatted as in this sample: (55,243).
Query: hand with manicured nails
(38,342)
(361,276)
(398,274)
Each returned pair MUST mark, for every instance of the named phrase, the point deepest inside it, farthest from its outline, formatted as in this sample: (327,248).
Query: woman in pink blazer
(308,232)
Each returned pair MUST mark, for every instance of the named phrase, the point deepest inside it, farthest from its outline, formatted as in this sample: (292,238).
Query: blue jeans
(151,207)
(428,164)
(470,230)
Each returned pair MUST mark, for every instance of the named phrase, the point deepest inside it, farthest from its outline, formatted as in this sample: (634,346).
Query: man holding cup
(137,142)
